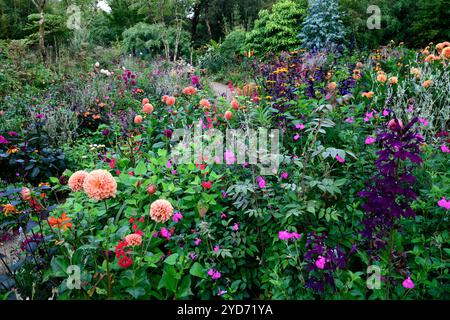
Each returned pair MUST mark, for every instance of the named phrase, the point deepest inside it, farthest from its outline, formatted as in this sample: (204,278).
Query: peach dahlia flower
(161,210)
(76,180)
(100,185)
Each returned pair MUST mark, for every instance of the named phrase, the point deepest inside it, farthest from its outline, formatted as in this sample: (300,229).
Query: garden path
(221,90)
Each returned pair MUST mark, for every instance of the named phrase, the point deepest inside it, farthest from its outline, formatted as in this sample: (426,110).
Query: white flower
(97,64)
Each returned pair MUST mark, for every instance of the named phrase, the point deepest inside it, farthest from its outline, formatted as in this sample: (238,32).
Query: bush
(277,30)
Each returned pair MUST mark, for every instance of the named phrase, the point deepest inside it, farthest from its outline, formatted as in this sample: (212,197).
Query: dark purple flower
(168,133)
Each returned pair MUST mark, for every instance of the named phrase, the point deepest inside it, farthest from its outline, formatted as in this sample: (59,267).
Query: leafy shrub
(277,30)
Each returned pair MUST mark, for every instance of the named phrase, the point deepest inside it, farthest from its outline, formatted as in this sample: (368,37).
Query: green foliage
(323,26)
(153,39)
(277,30)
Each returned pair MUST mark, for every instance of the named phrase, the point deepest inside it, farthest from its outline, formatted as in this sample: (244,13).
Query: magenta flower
(3,140)
(223,215)
(214,274)
(423,121)
(165,233)
(197,241)
(370,140)
(177,217)
(408,283)
(236,227)
(369,115)
(320,262)
(296,137)
(230,158)
(444,203)
(411,108)
(216,249)
(261,182)
(300,126)
(168,164)
(340,159)
(192,256)
(284,175)
(385,113)
(284,235)
(350,120)
(445,149)
(12,133)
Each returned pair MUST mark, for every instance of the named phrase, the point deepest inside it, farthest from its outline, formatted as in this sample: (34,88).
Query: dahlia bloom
(26,194)
(205,103)
(170,101)
(161,210)
(76,180)
(147,108)
(138,119)
(427,83)
(100,185)
(133,239)
(189,91)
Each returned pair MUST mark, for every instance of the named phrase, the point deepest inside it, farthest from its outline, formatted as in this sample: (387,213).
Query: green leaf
(168,279)
(197,270)
(141,169)
(172,259)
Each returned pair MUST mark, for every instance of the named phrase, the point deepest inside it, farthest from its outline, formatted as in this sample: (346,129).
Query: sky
(103,4)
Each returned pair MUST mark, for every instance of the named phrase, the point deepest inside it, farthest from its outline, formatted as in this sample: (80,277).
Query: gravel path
(221,90)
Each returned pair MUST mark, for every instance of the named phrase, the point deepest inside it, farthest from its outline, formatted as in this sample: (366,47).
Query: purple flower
(216,249)
(230,158)
(300,126)
(197,241)
(370,140)
(168,133)
(236,227)
(12,133)
(39,116)
(261,182)
(350,120)
(177,217)
(3,140)
(340,159)
(105,132)
(444,203)
(284,175)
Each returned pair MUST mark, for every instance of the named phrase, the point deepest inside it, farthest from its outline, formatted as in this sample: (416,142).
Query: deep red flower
(207,185)
(125,261)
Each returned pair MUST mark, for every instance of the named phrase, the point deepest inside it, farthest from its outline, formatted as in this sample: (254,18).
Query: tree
(323,27)
(40,4)
(277,30)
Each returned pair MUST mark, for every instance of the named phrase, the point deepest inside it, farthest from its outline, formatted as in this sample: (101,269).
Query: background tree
(277,29)
(323,27)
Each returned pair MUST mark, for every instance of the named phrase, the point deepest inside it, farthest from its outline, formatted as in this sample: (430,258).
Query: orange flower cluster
(60,223)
